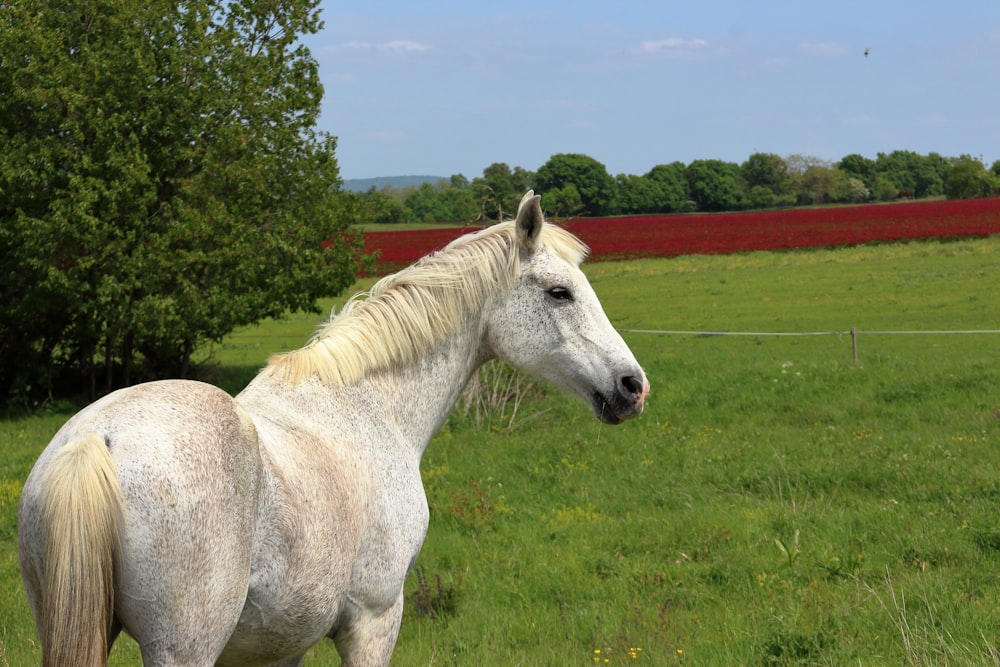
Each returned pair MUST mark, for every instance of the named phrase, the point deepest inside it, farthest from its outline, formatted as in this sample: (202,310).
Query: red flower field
(720,233)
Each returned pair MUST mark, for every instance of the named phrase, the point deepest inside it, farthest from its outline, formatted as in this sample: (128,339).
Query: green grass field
(777,504)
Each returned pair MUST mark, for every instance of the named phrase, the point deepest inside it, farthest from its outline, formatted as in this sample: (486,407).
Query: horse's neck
(409,402)
(420,396)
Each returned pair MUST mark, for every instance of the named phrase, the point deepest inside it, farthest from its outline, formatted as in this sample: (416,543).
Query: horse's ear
(529,220)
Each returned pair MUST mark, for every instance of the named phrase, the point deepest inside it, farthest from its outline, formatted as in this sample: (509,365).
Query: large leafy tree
(662,190)
(859,166)
(969,179)
(457,202)
(826,185)
(672,179)
(494,192)
(766,170)
(898,166)
(595,187)
(716,185)
(161,182)
(767,181)
(498,191)
(636,194)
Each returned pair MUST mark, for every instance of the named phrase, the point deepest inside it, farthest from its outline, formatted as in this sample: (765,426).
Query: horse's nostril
(631,386)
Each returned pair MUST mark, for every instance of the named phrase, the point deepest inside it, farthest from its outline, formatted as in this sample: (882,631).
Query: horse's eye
(560,293)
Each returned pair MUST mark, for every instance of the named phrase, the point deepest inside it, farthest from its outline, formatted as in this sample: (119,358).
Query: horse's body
(242,531)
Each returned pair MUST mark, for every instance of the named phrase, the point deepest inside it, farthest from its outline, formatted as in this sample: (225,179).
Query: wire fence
(256,338)
(853,332)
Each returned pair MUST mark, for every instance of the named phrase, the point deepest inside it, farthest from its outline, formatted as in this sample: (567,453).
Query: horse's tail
(82,506)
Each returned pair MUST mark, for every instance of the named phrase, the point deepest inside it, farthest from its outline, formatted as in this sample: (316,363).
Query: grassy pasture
(776,504)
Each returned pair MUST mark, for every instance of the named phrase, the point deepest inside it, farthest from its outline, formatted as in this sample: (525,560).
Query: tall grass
(777,503)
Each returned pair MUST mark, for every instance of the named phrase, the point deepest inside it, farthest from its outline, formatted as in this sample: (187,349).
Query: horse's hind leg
(370,639)
(182,589)
(185,566)
(182,604)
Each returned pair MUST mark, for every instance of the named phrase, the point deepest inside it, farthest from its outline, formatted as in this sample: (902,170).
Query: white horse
(222,531)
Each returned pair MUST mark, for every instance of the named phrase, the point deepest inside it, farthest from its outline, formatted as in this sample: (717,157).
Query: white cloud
(672,46)
(823,49)
(397,46)
(404,46)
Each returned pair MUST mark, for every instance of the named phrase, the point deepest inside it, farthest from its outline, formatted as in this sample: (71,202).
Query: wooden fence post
(854,343)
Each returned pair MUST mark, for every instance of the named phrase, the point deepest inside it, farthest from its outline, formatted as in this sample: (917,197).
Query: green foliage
(762,197)
(919,175)
(823,185)
(451,200)
(673,186)
(424,204)
(160,184)
(663,190)
(588,176)
(636,194)
(499,190)
(969,178)
(382,208)
(716,185)
(563,202)
(766,170)
(859,166)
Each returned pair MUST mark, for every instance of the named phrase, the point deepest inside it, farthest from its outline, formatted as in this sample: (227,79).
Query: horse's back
(189,468)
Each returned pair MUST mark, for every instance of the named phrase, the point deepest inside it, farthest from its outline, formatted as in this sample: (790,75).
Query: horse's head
(552,324)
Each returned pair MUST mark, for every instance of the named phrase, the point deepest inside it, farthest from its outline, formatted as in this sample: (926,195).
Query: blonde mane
(406,313)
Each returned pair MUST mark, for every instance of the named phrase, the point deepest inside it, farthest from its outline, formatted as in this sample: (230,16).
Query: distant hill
(398,182)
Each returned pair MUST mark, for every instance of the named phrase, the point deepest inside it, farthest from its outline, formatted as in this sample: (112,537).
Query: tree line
(579,185)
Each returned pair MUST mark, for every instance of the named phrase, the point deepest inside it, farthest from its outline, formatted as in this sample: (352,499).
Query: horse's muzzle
(626,402)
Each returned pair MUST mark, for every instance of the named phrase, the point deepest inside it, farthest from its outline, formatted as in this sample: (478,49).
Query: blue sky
(451,87)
